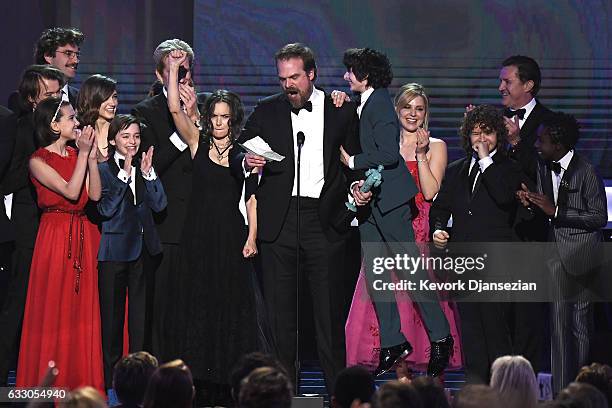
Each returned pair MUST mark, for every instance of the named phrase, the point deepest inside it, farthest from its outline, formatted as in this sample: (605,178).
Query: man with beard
(60,48)
(279,120)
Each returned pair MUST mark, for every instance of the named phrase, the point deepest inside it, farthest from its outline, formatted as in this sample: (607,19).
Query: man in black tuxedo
(37,83)
(172,162)
(278,119)
(60,48)
(572,197)
(479,193)
(519,83)
(7,236)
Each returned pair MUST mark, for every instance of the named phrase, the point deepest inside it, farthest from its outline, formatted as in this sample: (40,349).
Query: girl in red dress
(62,315)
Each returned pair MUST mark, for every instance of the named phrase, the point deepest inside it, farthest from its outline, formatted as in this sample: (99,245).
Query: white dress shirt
(129,178)
(483,163)
(312,174)
(556,178)
(65,94)
(528,108)
(175,137)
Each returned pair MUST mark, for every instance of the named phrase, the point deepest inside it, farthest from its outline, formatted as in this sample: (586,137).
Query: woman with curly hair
(96,107)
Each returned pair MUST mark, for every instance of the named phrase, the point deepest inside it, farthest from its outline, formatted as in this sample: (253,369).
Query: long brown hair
(94,91)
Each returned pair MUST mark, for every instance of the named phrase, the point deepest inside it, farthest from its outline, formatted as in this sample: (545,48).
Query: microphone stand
(300,143)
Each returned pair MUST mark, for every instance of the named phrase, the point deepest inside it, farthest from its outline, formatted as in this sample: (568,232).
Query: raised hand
(514,131)
(176,59)
(422,145)
(252,161)
(188,96)
(146,163)
(339,97)
(85,139)
(543,202)
(468,109)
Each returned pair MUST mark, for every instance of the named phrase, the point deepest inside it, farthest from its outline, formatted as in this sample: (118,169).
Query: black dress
(218,305)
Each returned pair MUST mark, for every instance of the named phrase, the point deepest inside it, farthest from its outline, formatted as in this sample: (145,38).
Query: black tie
(121,163)
(556,167)
(357,99)
(509,113)
(307,106)
(472,177)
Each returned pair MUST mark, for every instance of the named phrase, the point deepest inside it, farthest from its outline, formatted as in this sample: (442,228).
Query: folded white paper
(259,147)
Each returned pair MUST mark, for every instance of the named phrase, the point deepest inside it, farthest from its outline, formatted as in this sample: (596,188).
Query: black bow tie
(556,167)
(357,99)
(509,113)
(307,106)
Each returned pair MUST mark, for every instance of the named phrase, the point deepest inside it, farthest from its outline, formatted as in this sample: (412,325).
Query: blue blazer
(379,134)
(126,225)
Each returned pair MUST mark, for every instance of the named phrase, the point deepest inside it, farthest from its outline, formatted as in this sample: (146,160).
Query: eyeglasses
(59,105)
(71,54)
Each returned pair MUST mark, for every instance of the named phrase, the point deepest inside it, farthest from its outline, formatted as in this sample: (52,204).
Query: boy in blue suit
(130,192)
(389,223)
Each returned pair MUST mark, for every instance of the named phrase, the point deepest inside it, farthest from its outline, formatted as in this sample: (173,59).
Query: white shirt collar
(165,91)
(529,107)
(65,93)
(365,95)
(565,160)
(317,97)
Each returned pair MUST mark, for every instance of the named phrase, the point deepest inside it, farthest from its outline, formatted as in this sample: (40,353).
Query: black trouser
(159,292)
(322,265)
(115,281)
(13,308)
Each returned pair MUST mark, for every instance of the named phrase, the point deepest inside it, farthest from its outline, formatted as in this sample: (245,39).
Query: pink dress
(362,338)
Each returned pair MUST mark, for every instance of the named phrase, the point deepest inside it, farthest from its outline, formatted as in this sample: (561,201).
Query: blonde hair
(407,93)
(514,379)
(84,397)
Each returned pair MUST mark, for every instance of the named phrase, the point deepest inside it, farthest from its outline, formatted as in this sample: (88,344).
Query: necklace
(221,152)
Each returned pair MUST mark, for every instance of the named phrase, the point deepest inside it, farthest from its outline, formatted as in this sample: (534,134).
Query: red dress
(62,313)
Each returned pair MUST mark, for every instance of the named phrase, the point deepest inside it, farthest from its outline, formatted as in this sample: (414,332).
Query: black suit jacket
(7,140)
(18,106)
(488,215)
(528,227)
(271,120)
(524,152)
(379,135)
(25,213)
(127,225)
(172,166)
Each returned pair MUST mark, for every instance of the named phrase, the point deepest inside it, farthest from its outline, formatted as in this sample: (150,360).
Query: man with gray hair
(172,162)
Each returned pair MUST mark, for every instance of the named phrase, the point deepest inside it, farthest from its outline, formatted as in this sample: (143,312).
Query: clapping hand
(146,163)
(513,130)
(422,145)
(85,139)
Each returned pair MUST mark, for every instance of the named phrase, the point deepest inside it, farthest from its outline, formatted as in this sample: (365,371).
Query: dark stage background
(453,47)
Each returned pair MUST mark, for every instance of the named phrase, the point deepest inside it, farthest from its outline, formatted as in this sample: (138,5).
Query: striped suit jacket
(582,212)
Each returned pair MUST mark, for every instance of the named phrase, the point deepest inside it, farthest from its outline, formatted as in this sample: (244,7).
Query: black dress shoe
(390,356)
(440,354)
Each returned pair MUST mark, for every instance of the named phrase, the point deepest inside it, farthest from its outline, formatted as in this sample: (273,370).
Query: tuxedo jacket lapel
(567,176)
(285,129)
(327,137)
(528,131)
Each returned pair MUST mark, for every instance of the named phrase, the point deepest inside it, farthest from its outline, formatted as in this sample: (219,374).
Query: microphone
(300,139)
